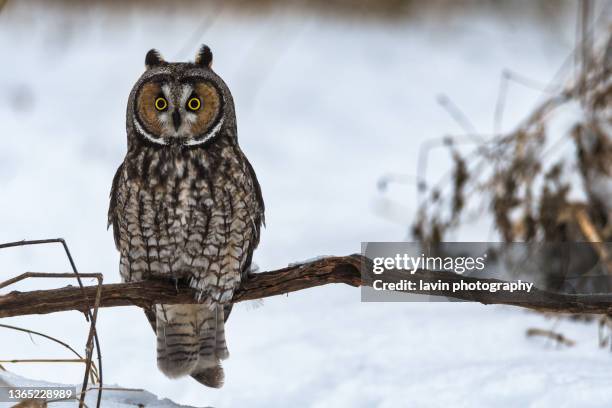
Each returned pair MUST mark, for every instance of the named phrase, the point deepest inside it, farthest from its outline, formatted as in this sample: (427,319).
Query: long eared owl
(186,205)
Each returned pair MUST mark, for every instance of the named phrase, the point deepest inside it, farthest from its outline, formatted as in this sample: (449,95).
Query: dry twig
(558,337)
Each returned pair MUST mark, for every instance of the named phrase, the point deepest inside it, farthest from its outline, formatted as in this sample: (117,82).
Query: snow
(325,108)
(309,260)
(112,398)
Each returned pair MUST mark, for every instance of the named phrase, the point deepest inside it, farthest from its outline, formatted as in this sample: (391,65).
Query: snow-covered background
(326,105)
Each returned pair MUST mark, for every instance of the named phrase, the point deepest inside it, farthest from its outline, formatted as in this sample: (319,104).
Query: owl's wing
(258,218)
(259,197)
(114,199)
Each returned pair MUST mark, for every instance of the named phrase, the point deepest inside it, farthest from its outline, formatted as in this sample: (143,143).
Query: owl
(186,206)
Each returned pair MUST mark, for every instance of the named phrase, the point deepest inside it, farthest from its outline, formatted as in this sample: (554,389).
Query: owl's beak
(176,120)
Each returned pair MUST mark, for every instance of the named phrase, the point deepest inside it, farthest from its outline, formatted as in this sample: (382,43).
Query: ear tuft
(153,59)
(204,56)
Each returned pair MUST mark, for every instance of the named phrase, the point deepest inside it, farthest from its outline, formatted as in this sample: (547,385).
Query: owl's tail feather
(213,349)
(191,340)
(210,377)
(177,339)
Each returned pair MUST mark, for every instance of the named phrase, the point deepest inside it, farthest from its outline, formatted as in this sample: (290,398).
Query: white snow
(113,397)
(325,107)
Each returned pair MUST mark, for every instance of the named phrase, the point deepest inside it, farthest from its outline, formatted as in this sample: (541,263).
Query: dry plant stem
(94,377)
(42,242)
(592,234)
(290,279)
(558,337)
(91,318)
(584,44)
(86,309)
(90,344)
(45,360)
(117,389)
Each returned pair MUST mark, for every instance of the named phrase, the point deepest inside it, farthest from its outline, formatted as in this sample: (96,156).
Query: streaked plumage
(186,205)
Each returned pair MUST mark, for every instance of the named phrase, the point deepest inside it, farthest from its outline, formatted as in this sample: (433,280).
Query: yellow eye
(161,104)
(194,104)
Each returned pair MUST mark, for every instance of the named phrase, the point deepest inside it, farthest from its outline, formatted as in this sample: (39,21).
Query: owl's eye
(194,104)
(161,104)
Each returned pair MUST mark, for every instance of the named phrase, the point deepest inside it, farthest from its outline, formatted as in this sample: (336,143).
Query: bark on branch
(290,279)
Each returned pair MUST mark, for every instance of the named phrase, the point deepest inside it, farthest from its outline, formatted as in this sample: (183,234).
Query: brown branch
(290,279)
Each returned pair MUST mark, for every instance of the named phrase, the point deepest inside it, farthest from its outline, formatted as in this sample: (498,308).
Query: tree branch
(290,279)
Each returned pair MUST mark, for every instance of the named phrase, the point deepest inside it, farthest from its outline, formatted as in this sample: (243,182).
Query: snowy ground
(112,397)
(383,355)
(325,107)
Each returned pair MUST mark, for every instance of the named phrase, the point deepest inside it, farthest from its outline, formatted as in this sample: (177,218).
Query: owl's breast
(163,219)
(188,222)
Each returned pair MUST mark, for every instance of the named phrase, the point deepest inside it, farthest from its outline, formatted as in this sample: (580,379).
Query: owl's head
(175,103)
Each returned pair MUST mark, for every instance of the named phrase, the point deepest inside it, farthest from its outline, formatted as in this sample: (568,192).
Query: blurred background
(335,101)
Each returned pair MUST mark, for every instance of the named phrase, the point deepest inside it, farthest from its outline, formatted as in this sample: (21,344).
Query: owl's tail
(191,340)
